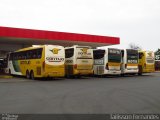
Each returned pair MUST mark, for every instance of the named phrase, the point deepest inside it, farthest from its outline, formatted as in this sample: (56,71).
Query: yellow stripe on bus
(132,64)
(113,64)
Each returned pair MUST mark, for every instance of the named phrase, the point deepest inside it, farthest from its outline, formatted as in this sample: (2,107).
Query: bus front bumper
(54,74)
(148,71)
(83,72)
(113,72)
(130,71)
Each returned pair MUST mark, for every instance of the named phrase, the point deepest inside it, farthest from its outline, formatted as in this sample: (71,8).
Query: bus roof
(29,48)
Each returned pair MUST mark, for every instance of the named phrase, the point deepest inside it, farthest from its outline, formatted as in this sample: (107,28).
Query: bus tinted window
(29,54)
(114,55)
(132,56)
(98,54)
(39,53)
(69,52)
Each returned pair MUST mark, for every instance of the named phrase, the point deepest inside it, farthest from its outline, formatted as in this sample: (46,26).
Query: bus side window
(15,56)
(34,54)
(39,53)
(69,52)
(23,55)
(29,54)
(19,56)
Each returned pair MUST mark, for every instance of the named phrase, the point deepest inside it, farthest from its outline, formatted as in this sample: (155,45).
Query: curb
(6,76)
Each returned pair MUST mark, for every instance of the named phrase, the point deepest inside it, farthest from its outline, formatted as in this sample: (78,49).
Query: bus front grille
(100,70)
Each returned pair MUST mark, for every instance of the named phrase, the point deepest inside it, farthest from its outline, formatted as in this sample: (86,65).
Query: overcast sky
(134,21)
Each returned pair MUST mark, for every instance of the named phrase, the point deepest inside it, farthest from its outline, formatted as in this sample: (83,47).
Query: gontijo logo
(55,58)
(55,50)
(84,50)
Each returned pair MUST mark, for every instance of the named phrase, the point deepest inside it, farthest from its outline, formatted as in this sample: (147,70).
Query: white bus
(37,61)
(129,61)
(107,61)
(79,61)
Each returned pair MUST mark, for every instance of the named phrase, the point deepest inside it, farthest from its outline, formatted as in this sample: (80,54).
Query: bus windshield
(98,54)
(132,56)
(114,55)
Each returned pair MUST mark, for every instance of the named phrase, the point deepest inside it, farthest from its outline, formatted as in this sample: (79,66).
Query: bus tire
(140,70)
(32,75)
(27,74)
(122,75)
(140,73)
(67,76)
(78,76)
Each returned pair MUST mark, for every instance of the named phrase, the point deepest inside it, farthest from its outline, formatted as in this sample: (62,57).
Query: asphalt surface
(131,94)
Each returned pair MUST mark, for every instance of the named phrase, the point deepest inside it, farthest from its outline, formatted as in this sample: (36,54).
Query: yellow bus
(107,61)
(37,61)
(79,61)
(146,62)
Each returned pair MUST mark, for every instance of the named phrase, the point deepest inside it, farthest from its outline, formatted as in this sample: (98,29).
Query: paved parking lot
(130,94)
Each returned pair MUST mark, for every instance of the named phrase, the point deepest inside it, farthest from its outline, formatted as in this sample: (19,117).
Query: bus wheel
(122,75)
(32,75)
(140,73)
(27,74)
(78,76)
(68,76)
(140,70)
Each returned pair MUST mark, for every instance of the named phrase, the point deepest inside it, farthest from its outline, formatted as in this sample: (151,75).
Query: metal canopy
(28,37)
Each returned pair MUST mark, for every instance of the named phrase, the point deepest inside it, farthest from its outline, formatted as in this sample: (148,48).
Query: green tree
(157,58)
